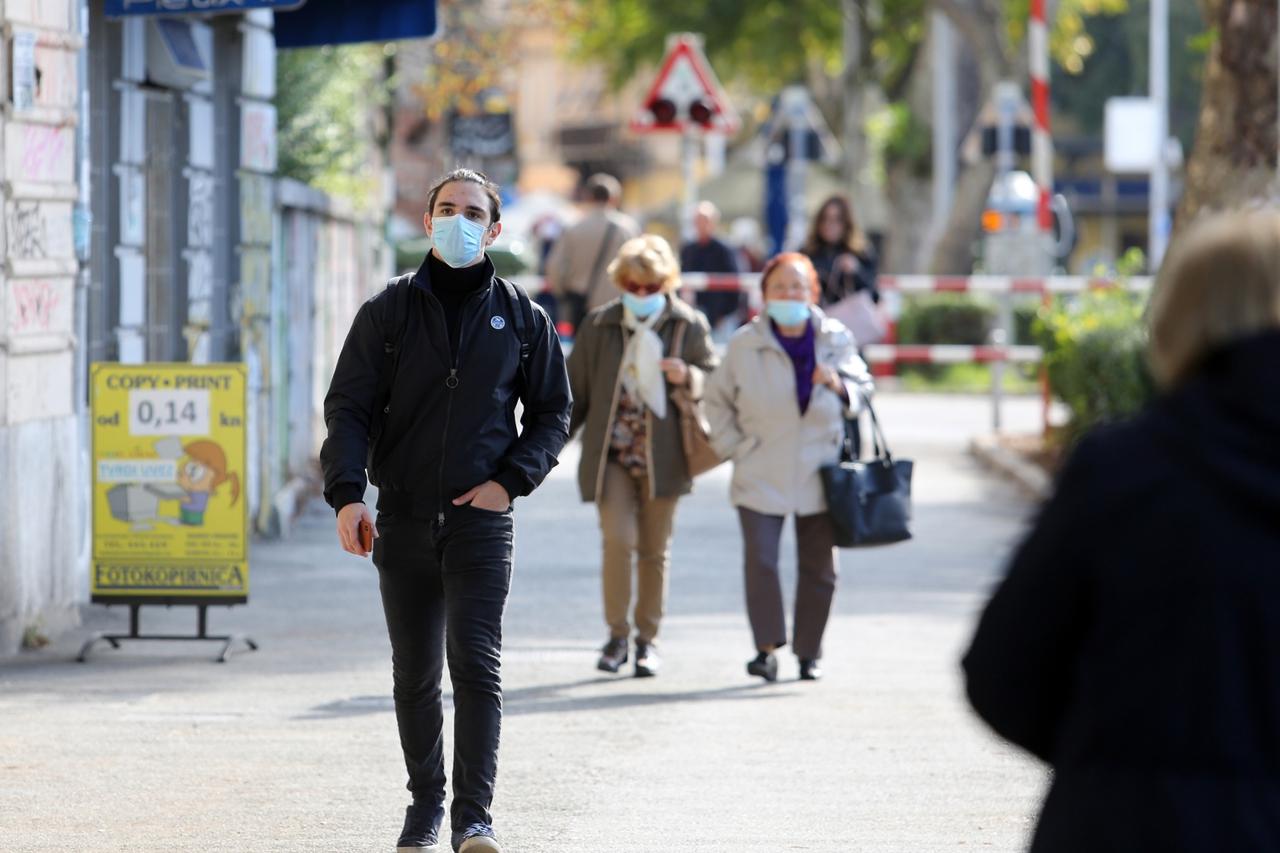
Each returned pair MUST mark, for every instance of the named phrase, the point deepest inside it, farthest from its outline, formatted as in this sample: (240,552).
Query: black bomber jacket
(449,425)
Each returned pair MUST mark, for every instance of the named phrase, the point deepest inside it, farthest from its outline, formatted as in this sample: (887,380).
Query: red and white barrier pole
(1041,140)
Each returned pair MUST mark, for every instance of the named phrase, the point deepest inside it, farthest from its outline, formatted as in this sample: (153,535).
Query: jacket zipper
(451,384)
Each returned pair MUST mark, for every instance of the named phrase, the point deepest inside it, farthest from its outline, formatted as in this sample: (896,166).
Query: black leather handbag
(869,501)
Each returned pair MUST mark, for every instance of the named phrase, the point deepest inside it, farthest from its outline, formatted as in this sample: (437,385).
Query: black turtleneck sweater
(453,287)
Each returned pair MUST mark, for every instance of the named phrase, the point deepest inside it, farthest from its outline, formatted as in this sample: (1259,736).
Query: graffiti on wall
(38,306)
(133,206)
(37,230)
(200,211)
(258,137)
(41,153)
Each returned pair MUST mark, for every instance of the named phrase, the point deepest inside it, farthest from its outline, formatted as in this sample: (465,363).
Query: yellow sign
(169,517)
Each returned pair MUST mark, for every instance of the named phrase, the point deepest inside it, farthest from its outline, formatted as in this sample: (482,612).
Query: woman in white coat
(777,407)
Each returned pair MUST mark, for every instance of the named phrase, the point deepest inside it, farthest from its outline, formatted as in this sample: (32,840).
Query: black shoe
(765,665)
(476,838)
(613,655)
(421,828)
(809,670)
(647,661)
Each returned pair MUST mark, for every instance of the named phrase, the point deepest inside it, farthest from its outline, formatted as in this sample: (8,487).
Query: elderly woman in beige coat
(777,407)
(629,356)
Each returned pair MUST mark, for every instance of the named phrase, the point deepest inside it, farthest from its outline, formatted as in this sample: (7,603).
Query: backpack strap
(395,319)
(522,317)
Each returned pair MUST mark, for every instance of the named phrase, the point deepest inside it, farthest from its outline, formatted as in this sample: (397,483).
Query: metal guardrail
(1003,288)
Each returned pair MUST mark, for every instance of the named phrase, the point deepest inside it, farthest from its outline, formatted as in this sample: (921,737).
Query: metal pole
(1007,100)
(1041,138)
(795,105)
(944,120)
(854,150)
(1158,235)
(688,158)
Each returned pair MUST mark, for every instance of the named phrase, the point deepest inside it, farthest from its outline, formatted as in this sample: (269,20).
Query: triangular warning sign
(686,95)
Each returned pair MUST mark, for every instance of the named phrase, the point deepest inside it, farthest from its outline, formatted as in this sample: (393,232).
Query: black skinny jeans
(443,593)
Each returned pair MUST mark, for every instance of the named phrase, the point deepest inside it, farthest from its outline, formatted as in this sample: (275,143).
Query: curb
(1029,478)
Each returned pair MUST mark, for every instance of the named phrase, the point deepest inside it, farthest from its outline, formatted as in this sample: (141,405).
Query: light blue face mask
(457,239)
(788,312)
(644,306)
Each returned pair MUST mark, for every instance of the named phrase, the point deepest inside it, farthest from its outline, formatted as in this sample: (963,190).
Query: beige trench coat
(594,377)
(755,419)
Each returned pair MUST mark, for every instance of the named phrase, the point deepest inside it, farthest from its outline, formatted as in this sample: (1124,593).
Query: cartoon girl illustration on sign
(199,474)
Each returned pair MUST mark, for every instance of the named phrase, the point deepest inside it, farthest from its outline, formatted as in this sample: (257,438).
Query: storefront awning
(343,22)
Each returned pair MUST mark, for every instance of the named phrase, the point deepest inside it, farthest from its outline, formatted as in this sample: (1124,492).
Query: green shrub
(1095,353)
(945,319)
(1024,322)
(942,319)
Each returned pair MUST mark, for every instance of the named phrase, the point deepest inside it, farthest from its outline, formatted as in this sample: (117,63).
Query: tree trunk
(981,27)
(954,253)
(1233,163)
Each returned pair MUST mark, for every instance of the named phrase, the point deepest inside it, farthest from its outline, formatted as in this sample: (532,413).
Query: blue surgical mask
(457,240)
(788,312)
(644,306)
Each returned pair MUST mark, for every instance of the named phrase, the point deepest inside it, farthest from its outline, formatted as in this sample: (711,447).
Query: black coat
(838,285)
(450,424)
(1135,644)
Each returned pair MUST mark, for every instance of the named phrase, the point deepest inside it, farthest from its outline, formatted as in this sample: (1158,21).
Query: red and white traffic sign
(686,94)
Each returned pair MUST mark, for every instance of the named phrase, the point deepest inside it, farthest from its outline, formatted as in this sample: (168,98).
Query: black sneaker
(764,665)
(647,661)
(476,838)
(809,670)
(613,655)
(421,828)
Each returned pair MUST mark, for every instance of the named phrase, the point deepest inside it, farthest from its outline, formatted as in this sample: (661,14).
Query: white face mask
(457,240)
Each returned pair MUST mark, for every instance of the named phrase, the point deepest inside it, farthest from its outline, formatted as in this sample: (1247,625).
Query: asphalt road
(293,748)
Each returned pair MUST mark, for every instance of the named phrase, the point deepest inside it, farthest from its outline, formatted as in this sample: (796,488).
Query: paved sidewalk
(293,748)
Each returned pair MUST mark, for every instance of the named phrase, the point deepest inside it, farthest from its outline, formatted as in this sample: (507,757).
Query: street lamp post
(1158,225)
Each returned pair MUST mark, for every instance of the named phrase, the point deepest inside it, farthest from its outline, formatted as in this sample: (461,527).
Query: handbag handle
(878,440)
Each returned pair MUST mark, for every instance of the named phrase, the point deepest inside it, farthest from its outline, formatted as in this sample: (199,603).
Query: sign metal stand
(202,633)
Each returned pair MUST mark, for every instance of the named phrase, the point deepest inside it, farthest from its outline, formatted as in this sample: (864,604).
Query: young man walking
(424,397)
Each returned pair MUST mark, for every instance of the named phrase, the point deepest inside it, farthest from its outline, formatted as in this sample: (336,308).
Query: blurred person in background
(841,253)
(546,232)
(1135,643)
(709,254)
(628,357)
(777,407)
(846,264)
(748,241)
(575,268)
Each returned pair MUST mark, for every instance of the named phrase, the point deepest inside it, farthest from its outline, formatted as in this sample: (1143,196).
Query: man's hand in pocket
(489,496)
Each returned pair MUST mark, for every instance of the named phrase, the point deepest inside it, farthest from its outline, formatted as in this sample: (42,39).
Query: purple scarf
(804,359)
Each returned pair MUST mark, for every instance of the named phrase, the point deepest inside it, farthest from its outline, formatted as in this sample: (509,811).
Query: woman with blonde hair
(629,356)
(1135,643)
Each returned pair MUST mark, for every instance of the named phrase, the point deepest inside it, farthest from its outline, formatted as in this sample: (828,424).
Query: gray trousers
(815,583)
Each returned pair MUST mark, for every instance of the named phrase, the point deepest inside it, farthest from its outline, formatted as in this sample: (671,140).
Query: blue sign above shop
(344,22)
(120,8)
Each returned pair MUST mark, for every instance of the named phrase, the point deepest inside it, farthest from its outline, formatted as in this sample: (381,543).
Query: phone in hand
(365,532)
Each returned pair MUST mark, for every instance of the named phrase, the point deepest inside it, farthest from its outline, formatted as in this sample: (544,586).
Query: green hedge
(945,319)
(1095,351)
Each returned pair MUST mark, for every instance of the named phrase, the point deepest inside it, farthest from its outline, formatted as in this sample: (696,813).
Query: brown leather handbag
(699,456)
